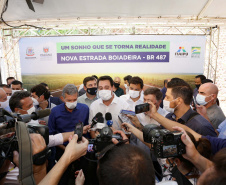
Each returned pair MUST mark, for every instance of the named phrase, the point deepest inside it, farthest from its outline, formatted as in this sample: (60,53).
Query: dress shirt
(114,108)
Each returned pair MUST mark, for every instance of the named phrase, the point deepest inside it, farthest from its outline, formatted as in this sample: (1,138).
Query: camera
(164,142)
(142,108)
(101,141)
(10,144)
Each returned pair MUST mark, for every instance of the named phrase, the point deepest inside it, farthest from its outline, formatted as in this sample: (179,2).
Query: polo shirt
(216,143)
(215,115)
(114,108)
(61,120)
(85,100)
(119,92)
(198,123)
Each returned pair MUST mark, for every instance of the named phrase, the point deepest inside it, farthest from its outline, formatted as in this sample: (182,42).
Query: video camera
(165,143)
(102,140)
(7,120)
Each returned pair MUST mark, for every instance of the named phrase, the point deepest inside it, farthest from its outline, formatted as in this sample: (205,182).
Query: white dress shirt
(114,108)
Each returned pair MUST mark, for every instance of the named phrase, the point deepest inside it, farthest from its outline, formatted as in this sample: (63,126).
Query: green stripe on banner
(113,46)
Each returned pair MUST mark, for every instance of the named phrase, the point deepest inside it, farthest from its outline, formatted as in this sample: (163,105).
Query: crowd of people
(130,160)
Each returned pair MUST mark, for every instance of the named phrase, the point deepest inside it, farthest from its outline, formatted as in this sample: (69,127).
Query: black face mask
(197,86)
(92,91)
(116,85)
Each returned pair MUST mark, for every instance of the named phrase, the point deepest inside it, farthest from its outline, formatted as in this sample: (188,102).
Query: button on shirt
(61,120)
(85,100)
(114,108)
(198,123)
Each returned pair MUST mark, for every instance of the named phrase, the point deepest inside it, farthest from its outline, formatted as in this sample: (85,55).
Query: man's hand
(128,127)
(201,110)
(86,129)
(152,109)
(80,177)
(38,143)
(134,120)
(75,150)
(124,137)
(191,152)
(42,122)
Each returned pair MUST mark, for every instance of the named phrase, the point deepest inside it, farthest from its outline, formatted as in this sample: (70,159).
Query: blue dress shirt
(61,120)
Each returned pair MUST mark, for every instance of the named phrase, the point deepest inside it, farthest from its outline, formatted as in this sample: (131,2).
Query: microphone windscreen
(100,120)
(99,114)
(108,116)
(40,114)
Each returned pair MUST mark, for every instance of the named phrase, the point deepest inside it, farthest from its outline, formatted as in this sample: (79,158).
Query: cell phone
(142,108)
(128,112)
(79,130)
(120,119)
(194,103)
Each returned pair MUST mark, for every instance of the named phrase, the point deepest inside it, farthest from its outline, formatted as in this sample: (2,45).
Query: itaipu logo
(195,52)
(30,52)
(181,52)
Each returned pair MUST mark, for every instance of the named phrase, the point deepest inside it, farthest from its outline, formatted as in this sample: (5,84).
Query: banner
(124,54)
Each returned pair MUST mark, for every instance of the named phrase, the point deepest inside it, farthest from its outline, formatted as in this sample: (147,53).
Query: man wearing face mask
(4,100)
(126,82)
(207,97)
(107,102)
(65,116)
(7,90)
(41,100)
(16,86)
(117,90)
(177,102)
(90,86)
(4,103)
(198,82)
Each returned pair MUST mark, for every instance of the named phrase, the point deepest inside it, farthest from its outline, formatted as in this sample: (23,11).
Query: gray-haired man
(65,116)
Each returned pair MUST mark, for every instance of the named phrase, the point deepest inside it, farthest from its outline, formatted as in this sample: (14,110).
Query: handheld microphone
(100,123)
(95,119)
(108,118)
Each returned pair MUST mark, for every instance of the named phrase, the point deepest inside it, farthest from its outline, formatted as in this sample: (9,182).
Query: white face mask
(201,100)
(125,86)
(105,94)
(134,94)
(13,91)
(32,109)
(71,105)
(166,106)
(35,101)
(4,104)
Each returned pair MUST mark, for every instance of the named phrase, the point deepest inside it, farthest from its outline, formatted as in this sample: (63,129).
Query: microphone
(95,119)
(34,115)
(40,114)
(108,118)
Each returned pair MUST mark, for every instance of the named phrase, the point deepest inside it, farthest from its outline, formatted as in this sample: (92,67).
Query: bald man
(207,97)
(117,90)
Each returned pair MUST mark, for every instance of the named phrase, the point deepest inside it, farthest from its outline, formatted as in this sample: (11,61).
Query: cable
(28,25)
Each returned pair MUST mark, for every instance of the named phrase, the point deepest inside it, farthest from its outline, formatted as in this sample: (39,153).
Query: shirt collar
(86,97)
(184,118)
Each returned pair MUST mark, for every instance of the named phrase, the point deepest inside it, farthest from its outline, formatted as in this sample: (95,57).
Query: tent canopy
(65,9)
